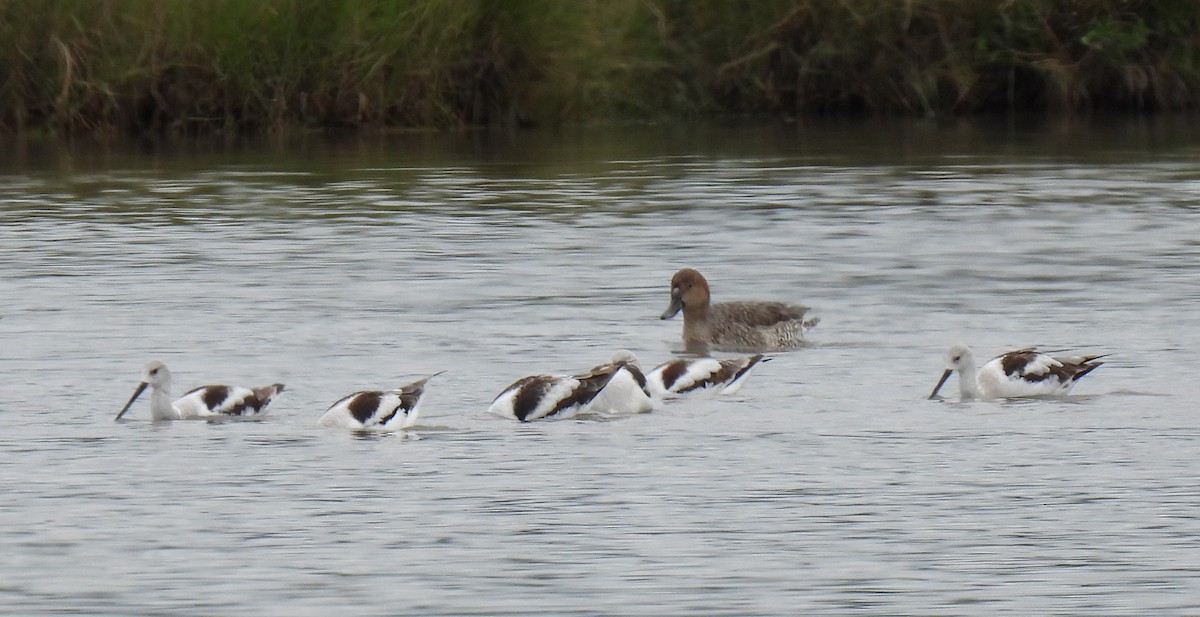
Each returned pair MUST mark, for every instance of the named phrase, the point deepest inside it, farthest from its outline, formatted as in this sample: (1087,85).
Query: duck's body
(685,376)
(390,409)
(1015,374)
(760,326)
(618,387)
(202,402)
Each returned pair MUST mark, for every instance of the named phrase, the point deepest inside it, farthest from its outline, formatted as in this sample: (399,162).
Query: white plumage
(618,387)
(205,401)
(685,376)
(1019,373)
(392,409)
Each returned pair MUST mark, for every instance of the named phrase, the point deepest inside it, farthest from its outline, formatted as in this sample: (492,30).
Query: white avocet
(202,402)
(618,387)
(683,376)
(393,409)
(1024,372)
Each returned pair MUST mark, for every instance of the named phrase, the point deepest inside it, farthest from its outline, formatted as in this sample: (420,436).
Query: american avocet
(759,326)
(693,375)
(1024,372)
(205,401)
(614,388)
(627,391)
(397,408)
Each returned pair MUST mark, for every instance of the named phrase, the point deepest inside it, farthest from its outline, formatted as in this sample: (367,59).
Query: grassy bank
(127,66)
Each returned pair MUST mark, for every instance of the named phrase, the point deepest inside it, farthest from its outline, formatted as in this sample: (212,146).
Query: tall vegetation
(112,66)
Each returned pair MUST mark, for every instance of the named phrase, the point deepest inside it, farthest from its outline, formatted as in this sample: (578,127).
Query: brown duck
(756,326)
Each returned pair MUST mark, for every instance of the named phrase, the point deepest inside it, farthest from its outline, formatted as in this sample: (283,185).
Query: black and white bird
(617,387)
(1020,373)
(686,376)
(202,402)
(392,409)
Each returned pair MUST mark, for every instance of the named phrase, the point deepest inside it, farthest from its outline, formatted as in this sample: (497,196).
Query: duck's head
(688,290)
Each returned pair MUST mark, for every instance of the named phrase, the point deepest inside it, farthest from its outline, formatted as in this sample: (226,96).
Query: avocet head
(624,356)
(958,358)
(155,375)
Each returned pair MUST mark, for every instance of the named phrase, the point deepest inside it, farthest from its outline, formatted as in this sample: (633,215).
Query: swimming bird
(397,408)
(682,376)
(202,402)
(759,326)
(617,387)
(1024,372)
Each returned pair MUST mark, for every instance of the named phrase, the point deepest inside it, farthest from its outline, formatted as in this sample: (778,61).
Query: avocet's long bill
(941,382)
(136,393)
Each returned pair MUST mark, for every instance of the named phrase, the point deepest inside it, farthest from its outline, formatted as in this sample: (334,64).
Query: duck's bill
(940,383)
(136,393)
(673,309)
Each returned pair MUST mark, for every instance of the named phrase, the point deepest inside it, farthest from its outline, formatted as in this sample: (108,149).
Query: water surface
(828,485)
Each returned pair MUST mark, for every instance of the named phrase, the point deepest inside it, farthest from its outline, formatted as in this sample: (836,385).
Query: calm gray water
(829,485)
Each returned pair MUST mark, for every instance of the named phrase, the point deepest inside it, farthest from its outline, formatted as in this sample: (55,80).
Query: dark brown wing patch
(364,405)
(673,371)
(531,390)
(1016,364)
(214,396)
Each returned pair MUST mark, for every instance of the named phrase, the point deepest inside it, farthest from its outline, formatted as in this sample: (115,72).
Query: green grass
(179,66)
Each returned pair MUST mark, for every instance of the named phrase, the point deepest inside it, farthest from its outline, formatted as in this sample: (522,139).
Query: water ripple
(827,486)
